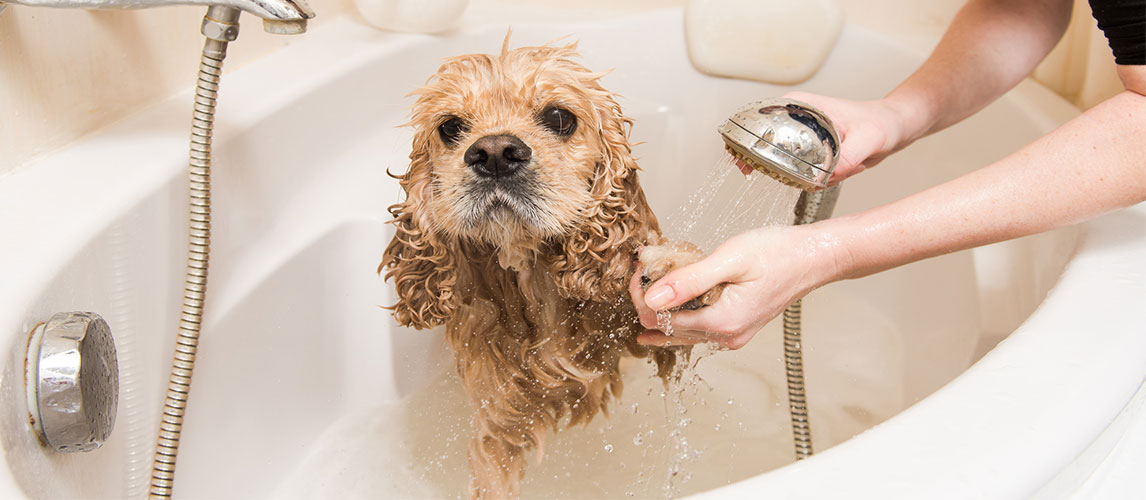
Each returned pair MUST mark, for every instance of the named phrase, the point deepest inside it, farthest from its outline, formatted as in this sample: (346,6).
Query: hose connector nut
(223,30)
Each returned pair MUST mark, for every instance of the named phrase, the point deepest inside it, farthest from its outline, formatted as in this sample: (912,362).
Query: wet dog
(522,217)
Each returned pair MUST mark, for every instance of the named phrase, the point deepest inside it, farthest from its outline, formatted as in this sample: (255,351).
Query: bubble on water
(638,440)
(608,448)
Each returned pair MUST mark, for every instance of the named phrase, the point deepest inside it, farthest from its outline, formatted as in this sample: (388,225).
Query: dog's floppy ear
(421,265)
(597,260)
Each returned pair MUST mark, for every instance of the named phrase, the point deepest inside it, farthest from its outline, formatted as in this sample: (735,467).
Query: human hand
(763,270)
(869,131)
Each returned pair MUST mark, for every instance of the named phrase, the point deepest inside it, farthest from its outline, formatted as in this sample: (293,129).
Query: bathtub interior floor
(737,411)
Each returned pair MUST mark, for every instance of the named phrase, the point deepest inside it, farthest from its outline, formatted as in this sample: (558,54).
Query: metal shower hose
(224,20)
(806,213)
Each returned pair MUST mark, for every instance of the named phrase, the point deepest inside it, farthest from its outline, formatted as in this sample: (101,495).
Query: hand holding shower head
(796,144)
(789,140)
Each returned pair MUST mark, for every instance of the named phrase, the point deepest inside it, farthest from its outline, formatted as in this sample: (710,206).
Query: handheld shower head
(789,140)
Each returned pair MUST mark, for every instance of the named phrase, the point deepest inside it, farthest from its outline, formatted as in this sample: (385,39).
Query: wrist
(910,116)
(830,259)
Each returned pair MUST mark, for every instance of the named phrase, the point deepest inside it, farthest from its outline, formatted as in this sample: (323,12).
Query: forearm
(989,47)
(1091,165)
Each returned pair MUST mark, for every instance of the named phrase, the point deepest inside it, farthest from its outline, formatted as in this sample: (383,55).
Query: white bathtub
(296,358)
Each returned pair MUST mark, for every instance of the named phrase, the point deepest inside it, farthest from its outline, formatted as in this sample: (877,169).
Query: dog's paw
(659,260)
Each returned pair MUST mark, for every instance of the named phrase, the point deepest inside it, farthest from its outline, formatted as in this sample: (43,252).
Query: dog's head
(526,154)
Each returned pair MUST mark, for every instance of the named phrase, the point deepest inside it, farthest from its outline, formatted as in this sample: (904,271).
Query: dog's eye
(451,130)
(559,120)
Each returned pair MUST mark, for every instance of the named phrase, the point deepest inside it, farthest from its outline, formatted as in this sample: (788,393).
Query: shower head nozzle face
(785,138)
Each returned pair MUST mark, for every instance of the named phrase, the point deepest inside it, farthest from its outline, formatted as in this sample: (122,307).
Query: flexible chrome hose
(199,247)
(811,207)
(797,399)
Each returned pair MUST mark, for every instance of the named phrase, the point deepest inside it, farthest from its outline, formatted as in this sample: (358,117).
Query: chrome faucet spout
(273,11)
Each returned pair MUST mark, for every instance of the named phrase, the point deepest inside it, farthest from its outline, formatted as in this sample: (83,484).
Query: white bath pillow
(776,41)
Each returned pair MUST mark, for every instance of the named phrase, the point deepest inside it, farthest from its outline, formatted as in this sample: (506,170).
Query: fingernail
(659,297)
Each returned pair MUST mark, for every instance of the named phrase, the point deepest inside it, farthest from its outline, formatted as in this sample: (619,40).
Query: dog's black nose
(497,155)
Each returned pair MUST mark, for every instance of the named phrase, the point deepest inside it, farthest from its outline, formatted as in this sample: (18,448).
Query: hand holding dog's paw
(746,282)
(658,260)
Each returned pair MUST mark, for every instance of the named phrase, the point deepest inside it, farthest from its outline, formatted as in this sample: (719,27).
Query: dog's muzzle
(502,182)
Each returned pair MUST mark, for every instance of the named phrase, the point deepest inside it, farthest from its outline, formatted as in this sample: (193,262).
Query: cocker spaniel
(522,218)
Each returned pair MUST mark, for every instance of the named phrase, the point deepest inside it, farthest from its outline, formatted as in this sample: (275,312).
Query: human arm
(1091,165)
(989,47)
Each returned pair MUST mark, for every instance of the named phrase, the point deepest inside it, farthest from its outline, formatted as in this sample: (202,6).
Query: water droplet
(664,322)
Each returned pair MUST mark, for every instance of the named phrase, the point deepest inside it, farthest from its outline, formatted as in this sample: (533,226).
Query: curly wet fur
(534,299)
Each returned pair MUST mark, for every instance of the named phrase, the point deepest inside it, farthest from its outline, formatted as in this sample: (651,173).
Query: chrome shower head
(789,140)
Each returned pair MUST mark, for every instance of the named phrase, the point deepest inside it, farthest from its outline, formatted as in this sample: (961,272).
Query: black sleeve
(1124,23)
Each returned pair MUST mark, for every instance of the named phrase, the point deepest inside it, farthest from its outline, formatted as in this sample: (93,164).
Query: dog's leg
(498,467)
(659,260)
(509,419)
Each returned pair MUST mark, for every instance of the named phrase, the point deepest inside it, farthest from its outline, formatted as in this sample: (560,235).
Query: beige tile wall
(64,73)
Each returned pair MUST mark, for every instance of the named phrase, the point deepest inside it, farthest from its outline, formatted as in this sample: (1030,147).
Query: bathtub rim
(904,457)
